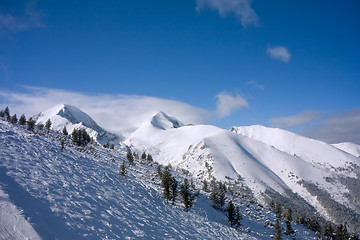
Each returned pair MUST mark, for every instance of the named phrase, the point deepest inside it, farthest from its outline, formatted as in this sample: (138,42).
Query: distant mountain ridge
(64,115)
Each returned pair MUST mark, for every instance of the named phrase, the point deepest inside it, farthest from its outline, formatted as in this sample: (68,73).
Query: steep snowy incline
(349,147)
(68,116)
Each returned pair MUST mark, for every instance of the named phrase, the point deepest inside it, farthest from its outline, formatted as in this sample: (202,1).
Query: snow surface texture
(349,147)
(64,115)
(264,158)
(79,194)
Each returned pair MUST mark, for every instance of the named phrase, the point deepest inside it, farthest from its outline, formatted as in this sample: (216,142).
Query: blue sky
(289,64)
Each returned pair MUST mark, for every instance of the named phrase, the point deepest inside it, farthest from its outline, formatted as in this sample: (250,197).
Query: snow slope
(349,147)
(263,158)
(79,194)
(68,116)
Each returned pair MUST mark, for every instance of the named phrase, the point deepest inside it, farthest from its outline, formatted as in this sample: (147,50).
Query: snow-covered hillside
(273,163)
(78,193)
(349,147)
(64,115)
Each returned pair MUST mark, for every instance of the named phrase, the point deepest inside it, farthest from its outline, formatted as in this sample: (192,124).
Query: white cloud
(227,103)
(279,53)
(300,119)
(240,8)
(117,113)
(254,84)
(30,19)
(342,127)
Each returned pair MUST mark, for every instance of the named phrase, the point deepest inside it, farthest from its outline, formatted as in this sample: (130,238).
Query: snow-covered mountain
(273,163)
(349,147)
(49,193)
(68,116)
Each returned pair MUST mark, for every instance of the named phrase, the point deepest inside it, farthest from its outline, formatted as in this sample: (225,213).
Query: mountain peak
(163,121)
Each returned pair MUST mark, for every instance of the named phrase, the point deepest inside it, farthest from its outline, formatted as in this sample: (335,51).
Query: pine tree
(173,186)
(112,146)
(205,185)
(231,213)
(122,168)
(62,144)
(130,157)
(186,195)
(149,158)
(341,232)
(65,132)
(48,124)
(272,205)
(7,114)
(13,119)
(75,136)
(288,219)
(328,230)
(238,217)
(278,210)
(40,126)
(2,114)
(143,156)
(22,120)
(159,171)
(277,229)
(30,124)
(214,195)
(166,182)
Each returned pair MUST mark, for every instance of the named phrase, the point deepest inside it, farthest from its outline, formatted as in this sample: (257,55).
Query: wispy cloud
(279,53)
(118,112)
(299,119)
(254,84)
(30,19)
(342,127)
(330,128)
(227,104)
(240,8)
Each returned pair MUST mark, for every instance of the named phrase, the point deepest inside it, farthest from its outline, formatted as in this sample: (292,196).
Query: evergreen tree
(112,146)
(341,232)
(22,120)
(205,185)
(288,219)
(192,185)
(278,210)
(328,230)
(238,217)
(143,156)
(13,119)
(2,114)
(314,224)
(48,124)
(277,229)
(80,137)
(7,114)
(186,195)
(272,205)
(149,158)
(159,171)
(166,182)
(222,194)
(62,144)
(75,136)
(231,213)
(106,145)
(122,168)
(40,126)
(173,187)
(65,132)
(130,157)
(214,195)
(30,124)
